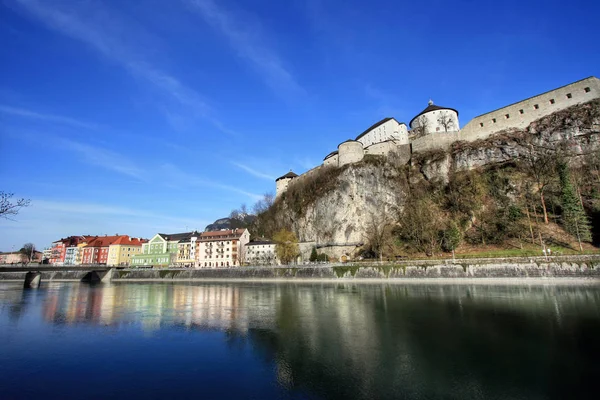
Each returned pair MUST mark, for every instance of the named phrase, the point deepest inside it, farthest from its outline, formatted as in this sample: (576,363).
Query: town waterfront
(299,340)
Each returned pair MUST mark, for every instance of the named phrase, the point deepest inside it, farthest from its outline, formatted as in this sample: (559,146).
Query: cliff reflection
(374,341)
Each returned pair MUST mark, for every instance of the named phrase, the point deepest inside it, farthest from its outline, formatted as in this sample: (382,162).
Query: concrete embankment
(380,272)
(584,269)
(45,276)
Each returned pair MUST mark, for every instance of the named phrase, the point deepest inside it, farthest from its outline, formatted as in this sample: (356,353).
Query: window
(507,116)
(437,129)
(552,101)
(494,120)
(569,95)
(481,124)
(587,89)
(521,111)
(536,106)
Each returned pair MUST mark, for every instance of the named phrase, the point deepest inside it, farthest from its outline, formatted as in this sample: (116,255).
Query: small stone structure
(437,127)
(350,152)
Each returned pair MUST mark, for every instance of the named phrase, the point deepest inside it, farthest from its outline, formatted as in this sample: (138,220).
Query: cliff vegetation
(520,189)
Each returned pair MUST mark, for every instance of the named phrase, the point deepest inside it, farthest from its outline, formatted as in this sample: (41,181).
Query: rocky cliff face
(575,130)
(364,195)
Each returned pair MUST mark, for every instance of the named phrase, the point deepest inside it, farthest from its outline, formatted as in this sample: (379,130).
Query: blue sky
(137,117)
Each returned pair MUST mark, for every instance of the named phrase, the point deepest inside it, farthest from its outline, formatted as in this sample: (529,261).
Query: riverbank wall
(517,270)
(383,272)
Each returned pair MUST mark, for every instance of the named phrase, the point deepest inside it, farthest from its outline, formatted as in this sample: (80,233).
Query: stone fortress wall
(389,135)
(517,115)
(520,115)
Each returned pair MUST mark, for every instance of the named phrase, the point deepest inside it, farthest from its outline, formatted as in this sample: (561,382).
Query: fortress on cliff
(437,127)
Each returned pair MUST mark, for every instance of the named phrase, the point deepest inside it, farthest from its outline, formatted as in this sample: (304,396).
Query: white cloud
(180,178)
(254,172)
(245,38)
(104,158)
(20,112)
(92,24)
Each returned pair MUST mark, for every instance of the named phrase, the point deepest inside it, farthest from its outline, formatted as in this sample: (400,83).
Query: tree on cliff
(540,164)
(286,246)
(446,120)
(10,207)
(574,218)
(420,225)
(378,232)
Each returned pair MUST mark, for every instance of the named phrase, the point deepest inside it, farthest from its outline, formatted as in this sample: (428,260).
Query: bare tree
(540,164)
(10,207)
(422,126)
(378,232)
(241,257)
(27,252)
(263,204)
(446,120)
(234,214)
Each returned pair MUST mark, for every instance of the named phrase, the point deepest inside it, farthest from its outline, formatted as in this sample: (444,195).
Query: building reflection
(367,341)
(215,307)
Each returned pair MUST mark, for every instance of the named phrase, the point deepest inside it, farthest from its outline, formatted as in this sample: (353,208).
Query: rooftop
(288,175)
(429,108)
(375,125)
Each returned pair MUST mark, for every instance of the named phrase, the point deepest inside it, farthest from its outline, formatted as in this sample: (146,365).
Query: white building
(71,254)
(435,119)
(384,130)
(261,252)
(225,248)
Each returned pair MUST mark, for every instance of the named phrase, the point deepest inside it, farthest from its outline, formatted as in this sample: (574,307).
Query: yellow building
(121,250)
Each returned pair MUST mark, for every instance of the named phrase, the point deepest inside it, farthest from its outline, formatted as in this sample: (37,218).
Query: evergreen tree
(574,218)
(313,255)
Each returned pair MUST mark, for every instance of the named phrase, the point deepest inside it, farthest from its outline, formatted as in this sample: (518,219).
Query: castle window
(552,101)
(587,89)
(521,111)
(494,120)
(569,95)
(481,124)
(437,129)
(536,106)
(507,116)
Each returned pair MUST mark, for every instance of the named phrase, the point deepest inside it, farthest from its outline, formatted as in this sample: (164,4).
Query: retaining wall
(589,269)
(384,272)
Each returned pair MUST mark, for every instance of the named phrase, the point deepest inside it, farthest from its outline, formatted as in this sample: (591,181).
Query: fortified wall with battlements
(437,127)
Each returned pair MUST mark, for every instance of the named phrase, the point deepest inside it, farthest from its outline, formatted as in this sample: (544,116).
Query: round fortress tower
(435,119)
(282,182)
(349,152)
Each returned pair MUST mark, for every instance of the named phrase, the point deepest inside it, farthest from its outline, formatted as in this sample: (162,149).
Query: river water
(297,340)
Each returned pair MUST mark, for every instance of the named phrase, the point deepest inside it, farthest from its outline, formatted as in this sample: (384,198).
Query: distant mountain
(231,223)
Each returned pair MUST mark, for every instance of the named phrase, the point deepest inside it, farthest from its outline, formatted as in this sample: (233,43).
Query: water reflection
(364,341)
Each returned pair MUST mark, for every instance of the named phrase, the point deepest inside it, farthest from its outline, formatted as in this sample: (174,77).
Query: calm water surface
(289,340)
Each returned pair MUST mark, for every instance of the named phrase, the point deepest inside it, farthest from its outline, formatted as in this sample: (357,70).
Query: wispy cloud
(95,209)
(306,162)
(181,178)
(244,36)
(104,158)
(21,112)
(48,219)
(91,23)
(254,172)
